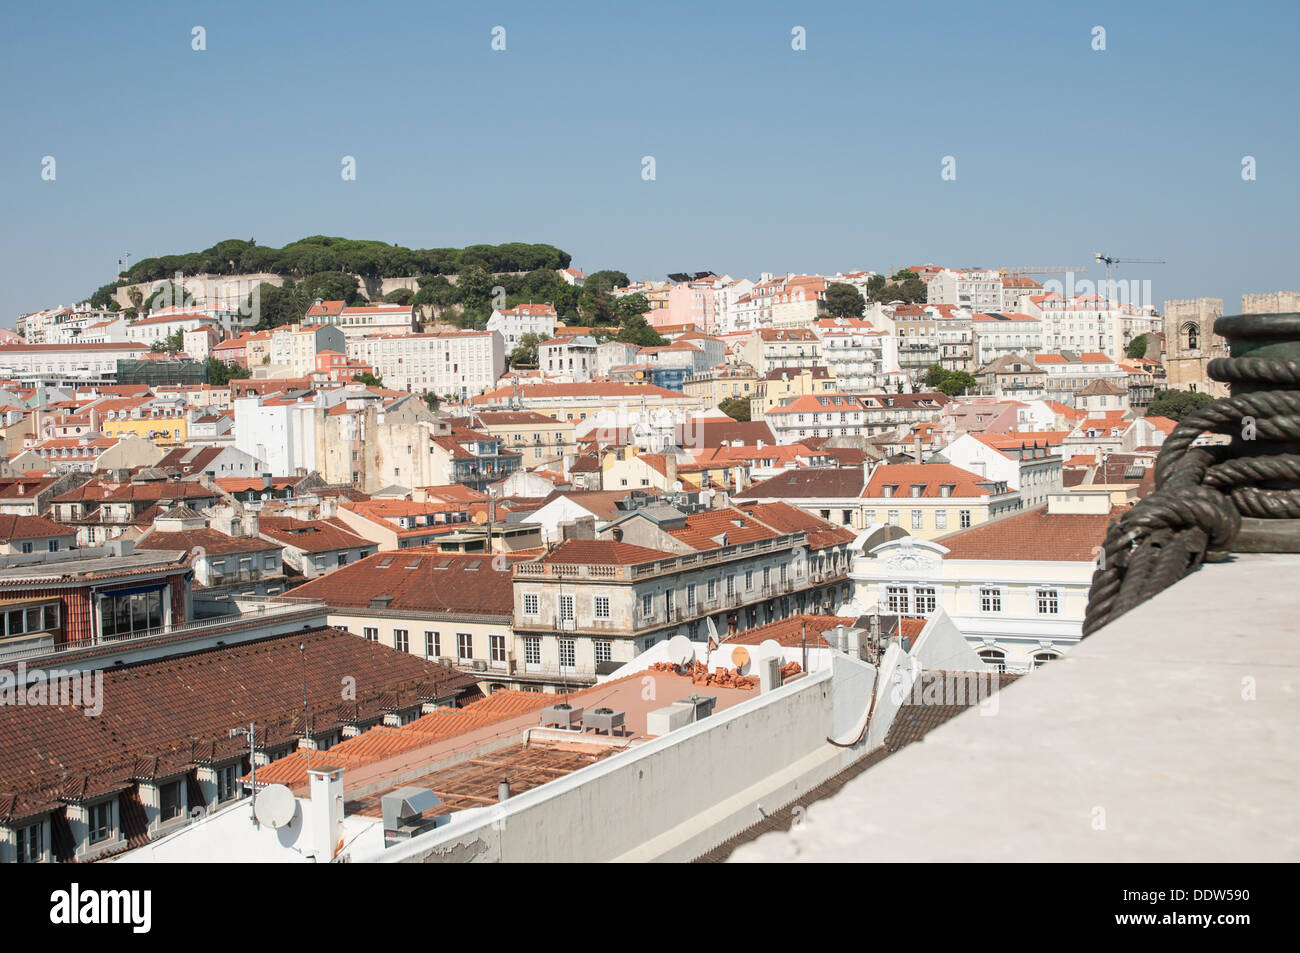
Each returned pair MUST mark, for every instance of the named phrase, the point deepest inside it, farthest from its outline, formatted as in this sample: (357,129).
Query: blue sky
(767,159)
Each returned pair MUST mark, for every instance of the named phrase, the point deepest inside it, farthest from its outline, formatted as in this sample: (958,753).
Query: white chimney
(326,812)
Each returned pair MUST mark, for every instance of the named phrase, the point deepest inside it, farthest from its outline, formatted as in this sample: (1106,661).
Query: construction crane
(1111,262)
(1052,270)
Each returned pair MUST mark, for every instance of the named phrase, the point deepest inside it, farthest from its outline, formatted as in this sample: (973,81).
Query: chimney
(503,789)
(326,812)
(266,481)
(919,456)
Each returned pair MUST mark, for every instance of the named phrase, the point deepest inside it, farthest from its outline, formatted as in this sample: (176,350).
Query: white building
(66,361)
(570,358)
(997,334)
(459,362)
(1017,588)
(977,290)
(860,355)
(514,323)
(1027,463)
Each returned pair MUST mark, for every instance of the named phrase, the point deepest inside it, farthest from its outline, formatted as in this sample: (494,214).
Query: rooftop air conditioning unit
(480,665)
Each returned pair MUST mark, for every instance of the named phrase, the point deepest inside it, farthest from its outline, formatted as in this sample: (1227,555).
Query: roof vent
(381,602)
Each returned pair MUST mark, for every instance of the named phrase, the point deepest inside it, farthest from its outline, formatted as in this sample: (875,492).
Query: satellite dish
(740,659)
(769,648)
(276,806)
(680,650)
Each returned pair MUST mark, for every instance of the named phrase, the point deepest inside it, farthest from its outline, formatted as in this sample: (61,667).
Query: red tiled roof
(420,580)
(602,552)
(931,476)
(1034,535)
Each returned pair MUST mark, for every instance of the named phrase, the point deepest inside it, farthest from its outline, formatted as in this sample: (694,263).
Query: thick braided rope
(1201,492)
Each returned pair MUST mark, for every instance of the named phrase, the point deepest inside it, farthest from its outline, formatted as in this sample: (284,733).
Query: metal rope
(1202,493)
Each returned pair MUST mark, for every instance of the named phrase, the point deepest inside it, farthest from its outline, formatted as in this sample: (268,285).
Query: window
(497,647)
(464,645)
(27,546)
(604,650)
(432,648)
(924,596)
(893,517)
(767,576)
(530,603)
(226,777)
(647,606)
(918,519)
(963,519)
(994,659)
(401,640)
(1042,658)
(129,613)
(101,821)
(1048,602)
(712,588)
(566,608)
(371,635)
(53,545)
(731,585)
(896,599)
(990,600)
(690,597)
(29,844)
(567,654)
(749,579)
(169,801)
(532,650)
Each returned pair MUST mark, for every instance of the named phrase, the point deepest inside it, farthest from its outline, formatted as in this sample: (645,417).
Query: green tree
(221,373)
(1177,404)
(957,382)
(737,408)
(332,286)
(630,306)
(400,296)
(637,332)
(1137,347)
(844,301)
(526,352)
(369,379)
(431,400)
(170,344)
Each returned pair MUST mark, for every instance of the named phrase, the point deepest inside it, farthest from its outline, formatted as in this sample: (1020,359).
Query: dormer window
(918,489)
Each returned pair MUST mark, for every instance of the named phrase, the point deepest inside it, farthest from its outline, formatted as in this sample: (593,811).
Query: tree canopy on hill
(322,253)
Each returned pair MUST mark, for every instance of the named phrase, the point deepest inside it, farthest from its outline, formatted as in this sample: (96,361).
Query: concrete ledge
(1167,736)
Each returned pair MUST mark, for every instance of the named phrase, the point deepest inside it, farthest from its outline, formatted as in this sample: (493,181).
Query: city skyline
(767,158)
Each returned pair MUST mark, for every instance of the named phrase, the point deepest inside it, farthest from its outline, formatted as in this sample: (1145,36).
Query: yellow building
(539,437)
(166,428)
(785,385)
(721,383)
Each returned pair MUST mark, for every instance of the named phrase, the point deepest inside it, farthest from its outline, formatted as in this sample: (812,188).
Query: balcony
(281,609)
(1185,754)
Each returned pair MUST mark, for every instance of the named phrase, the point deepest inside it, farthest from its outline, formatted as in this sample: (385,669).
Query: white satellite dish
(276,806)
(769,648)
(680,650)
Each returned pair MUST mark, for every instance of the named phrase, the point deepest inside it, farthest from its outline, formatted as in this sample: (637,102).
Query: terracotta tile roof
(931,476)
(602,552)
(30,527)
(791,631)
(311,536)
(167,714)
(419,579)
(1033,535)
(211,541)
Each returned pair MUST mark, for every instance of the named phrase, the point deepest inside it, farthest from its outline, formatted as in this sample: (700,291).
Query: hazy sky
(766,158)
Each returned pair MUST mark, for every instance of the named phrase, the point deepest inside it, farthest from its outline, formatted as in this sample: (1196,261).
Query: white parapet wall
(673,797)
